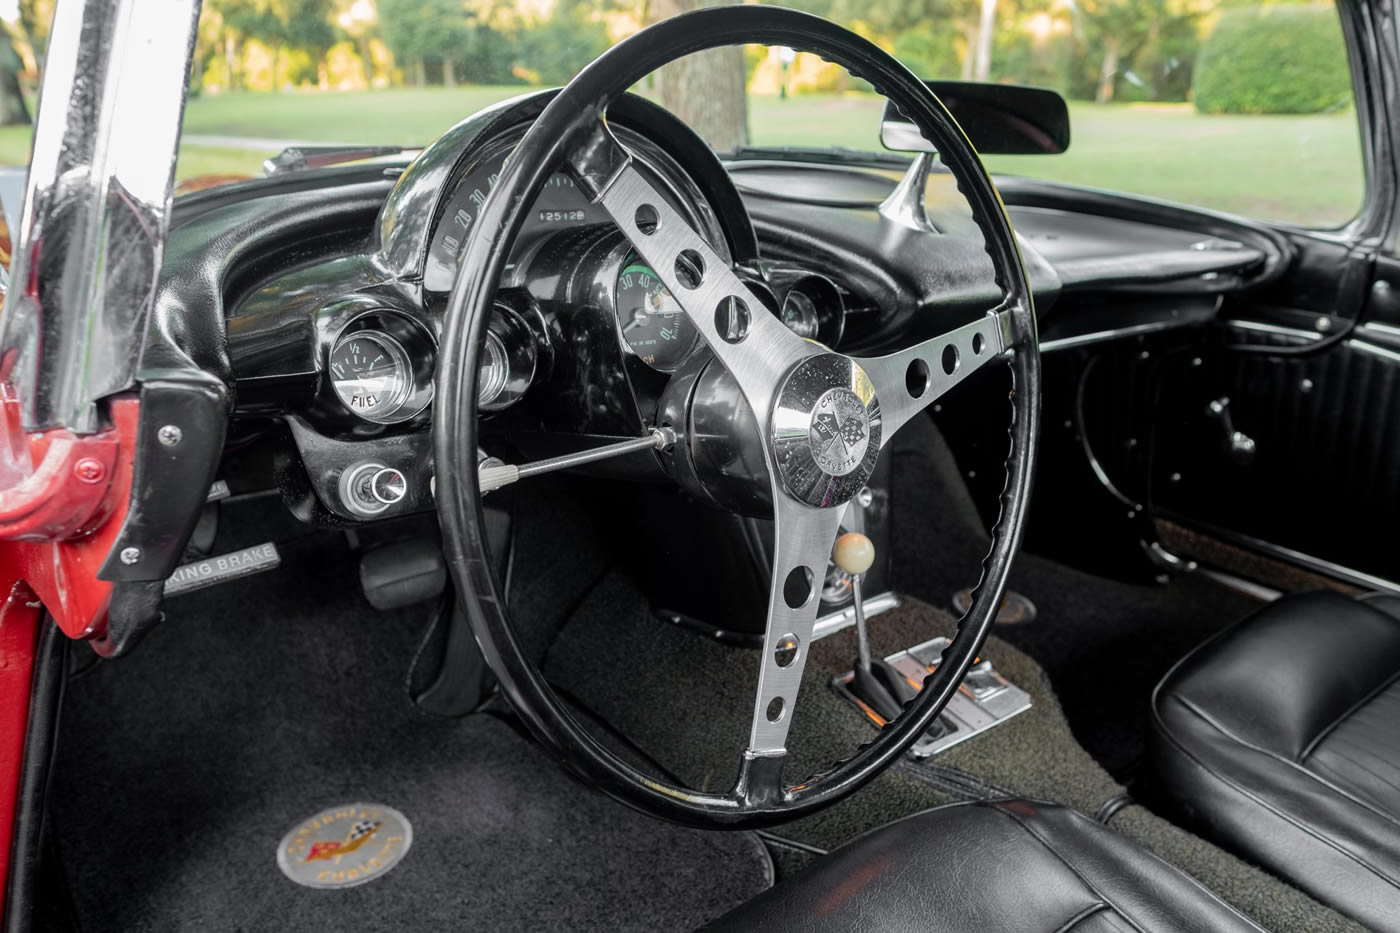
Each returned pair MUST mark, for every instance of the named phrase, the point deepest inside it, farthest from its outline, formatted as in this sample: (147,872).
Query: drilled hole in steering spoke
(978,343)
(776,708)
(916,378)
(797,588)
(732,319)
(786,651)
(950,359)
(647,220)
(690,268)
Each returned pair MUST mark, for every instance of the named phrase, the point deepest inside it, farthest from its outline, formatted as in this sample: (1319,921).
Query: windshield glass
(1228,106)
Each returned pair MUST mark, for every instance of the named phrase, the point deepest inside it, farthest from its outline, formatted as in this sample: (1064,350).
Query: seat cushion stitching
(1287,818)
(1322,765)
(1296,766)
(1189,878)
(1068,865)
(1080,917)
(1384,685)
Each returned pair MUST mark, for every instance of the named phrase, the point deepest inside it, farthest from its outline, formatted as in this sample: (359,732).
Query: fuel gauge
(371,374)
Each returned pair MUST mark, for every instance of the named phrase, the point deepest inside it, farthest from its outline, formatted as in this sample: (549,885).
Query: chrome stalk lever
(492,474)
(875,682)
(855,554)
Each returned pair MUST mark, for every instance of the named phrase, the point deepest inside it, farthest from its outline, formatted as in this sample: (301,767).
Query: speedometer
(652,322)
(561,204)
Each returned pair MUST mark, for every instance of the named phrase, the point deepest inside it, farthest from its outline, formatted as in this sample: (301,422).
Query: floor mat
(256,705)
(686,701)
(1104,643)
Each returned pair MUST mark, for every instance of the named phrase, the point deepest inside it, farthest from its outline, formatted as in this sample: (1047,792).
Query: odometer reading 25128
(560,204)
(651,319)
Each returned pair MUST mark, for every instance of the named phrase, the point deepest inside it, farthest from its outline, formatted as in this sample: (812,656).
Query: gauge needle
(639,317)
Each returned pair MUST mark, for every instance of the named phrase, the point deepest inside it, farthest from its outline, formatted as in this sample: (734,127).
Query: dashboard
(336,333)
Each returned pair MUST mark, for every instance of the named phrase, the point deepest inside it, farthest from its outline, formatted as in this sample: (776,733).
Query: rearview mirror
(999,119)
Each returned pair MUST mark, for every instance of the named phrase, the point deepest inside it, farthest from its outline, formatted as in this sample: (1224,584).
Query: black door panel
(1323,475)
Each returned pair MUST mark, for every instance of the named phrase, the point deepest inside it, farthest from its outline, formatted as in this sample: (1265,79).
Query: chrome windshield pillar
(96,208)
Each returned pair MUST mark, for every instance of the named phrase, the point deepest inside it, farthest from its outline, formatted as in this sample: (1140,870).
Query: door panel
(1315,464)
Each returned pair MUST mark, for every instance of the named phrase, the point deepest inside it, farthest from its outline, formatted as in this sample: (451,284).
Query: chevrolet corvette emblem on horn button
(839,433)
(345,846)
(826,430)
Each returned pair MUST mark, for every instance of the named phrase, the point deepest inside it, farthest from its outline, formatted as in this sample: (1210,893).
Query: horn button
(826,430)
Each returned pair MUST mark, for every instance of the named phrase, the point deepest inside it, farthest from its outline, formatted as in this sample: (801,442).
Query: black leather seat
(1280,739)
(1012,865)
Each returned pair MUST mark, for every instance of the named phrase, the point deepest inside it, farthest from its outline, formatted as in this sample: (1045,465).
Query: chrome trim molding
(1382,352)
(98,192)
(1307,561)
(1275,329)
(1259,591)
(845,618)
(1103,336)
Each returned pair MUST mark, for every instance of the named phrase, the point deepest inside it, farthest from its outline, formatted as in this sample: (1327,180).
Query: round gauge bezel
(619,262)
(413,351)
(402,375)
(806,310)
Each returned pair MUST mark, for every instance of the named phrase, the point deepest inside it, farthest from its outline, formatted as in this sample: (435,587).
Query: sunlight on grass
(1303,170)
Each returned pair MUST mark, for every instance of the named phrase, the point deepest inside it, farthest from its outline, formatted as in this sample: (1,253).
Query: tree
(35,17)
(420,31)
(1127,30)
(706,89)
(306,24)
(13,110)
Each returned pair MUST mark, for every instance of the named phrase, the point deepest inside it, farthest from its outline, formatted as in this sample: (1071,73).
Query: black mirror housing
(999,119)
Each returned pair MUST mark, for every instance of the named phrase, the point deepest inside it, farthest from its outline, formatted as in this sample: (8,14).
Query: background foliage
(1273,59)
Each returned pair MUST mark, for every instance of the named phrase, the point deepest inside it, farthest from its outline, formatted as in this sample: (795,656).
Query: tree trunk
(706,90)
(231,61)
(986,31)
(970,36)
(276,67)
(367,62)
(1108,74)
(420,73)
(449,75)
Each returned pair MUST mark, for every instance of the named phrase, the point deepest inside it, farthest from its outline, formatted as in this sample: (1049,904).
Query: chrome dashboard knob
(388,486)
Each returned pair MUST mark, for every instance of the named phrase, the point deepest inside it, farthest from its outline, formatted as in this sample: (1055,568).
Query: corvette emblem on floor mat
(345,846)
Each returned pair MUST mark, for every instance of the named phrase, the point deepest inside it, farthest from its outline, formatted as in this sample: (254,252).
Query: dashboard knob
(388,486)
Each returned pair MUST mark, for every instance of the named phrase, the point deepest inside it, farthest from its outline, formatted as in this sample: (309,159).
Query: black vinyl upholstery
(1280,739)
(1016,866)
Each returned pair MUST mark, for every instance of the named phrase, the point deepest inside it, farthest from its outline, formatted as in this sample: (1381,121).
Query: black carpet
(686,701)
(259,703)
(1104,643)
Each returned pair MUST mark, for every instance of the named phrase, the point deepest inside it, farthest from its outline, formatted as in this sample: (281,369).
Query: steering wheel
(799,392)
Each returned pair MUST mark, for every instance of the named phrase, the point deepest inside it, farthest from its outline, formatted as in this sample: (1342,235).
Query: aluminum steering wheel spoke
(910,380)
(751,342)
(803,538)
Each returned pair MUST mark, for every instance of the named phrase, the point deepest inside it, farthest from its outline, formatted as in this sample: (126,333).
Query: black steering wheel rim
(758,798)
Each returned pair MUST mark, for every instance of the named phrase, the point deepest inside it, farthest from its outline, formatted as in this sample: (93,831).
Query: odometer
(651,320)
(560,204)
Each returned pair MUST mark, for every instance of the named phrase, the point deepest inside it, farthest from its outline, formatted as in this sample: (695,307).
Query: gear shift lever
(876,683)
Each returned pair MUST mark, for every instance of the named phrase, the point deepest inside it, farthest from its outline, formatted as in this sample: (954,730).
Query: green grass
(1300,169)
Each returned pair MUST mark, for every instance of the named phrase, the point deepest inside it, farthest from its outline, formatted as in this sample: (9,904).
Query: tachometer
(651,320)
(371,374)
